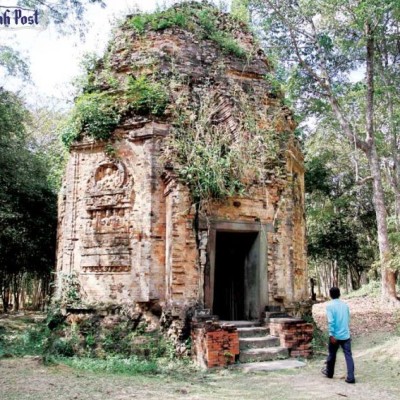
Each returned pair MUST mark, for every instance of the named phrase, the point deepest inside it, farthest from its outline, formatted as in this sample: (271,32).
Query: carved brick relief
(109,198)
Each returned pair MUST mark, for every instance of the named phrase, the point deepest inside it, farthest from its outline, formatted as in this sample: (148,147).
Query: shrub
(146,97)
(228,44)
(371,289)
(215,162)
(158,21)
(30,342)
(320,338)
(95,115)
(204,20)
(113,364)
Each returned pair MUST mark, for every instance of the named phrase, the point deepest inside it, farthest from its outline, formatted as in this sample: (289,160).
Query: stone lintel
(148,131)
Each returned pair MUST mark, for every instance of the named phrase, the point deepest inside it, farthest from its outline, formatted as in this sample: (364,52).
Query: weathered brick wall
(112,220)
(214,345)
(126,231)
(182,272)
(294,334)
(287,259)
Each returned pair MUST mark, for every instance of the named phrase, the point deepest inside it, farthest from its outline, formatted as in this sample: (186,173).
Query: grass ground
(376,355)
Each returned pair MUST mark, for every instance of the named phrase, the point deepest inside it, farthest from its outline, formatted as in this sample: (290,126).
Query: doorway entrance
(236,275)
(236,271)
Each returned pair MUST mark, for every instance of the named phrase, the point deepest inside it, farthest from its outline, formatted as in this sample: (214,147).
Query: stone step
(274,314)
(258,342)
(265,354)
(253,331)
(241,324)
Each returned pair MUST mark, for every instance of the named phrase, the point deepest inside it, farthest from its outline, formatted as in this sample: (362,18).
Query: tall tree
(341,227)
(27,205)
(323,42)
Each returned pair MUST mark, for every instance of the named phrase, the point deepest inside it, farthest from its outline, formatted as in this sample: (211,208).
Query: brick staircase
(256,344)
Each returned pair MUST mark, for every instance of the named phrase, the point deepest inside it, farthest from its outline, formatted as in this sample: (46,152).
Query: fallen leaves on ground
(368,315)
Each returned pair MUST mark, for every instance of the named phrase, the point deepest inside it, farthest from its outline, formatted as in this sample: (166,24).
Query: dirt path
(376,349)
(377,372)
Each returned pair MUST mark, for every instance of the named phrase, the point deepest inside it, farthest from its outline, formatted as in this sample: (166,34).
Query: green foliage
(69,132)
(139,22)
(371,289)
(146,97)
(320,338)
(112,364)
(394,239)
(323,47)
(275,84)
(71,290)
(12,114)
(28,342)
(228,44)
(208,21)
(158,21)
(12,61)
(340,217)
(240,10)
(213,163)
(89,337)
(110,150)
(86,80)
(55,348)
(95,114)
(82,345)
(210,170)
(60,347)
(202,20)
(46,144)
(27,203)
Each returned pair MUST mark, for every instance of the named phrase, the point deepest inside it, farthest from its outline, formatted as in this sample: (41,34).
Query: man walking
(338,315)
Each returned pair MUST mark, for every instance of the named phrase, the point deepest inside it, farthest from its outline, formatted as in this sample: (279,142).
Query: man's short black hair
(334,292)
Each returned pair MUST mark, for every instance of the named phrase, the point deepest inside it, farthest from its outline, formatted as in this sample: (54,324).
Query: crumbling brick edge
(295,334)
(214,344)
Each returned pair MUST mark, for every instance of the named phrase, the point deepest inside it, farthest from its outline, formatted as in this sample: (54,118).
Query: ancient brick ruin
(129,229)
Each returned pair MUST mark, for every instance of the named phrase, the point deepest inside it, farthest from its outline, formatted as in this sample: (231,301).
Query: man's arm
(331,324)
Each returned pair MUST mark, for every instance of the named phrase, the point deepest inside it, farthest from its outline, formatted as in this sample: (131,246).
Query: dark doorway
(236,271)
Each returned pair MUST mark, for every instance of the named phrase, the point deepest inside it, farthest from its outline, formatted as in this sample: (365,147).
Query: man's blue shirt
(338,315)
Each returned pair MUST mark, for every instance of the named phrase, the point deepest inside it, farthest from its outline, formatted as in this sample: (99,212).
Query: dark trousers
(330,362)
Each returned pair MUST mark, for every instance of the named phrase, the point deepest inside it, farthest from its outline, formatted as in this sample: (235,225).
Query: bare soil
(368,315)
(376,350)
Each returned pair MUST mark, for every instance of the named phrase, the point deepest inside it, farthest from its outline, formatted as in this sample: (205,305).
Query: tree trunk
(4,299)
(388,276)
(368,147)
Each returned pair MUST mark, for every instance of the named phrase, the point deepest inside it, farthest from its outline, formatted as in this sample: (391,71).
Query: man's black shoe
(325,373)
(350,380)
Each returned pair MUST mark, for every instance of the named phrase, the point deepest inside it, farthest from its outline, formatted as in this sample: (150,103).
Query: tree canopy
(27,203)
(321,45)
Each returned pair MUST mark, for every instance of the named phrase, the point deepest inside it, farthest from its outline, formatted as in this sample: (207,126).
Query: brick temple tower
(131,231)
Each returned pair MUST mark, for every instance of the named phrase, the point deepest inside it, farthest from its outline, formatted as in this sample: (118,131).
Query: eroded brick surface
(128,228)
(214,345)
(296,335)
